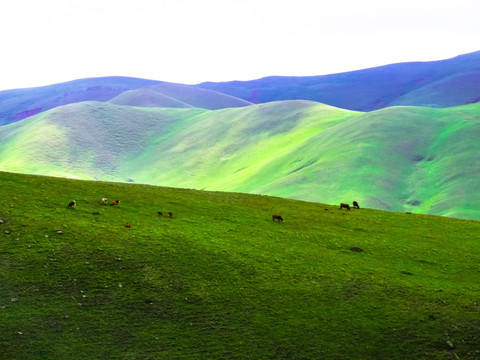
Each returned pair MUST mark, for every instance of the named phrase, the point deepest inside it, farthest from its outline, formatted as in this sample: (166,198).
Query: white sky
(190,41)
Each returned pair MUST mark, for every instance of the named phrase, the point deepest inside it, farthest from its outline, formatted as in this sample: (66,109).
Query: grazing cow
(346,206)
(128,225)
(72,204)
(159,213)
(278,217)
(115,202)
(104,201)
(170,214)
(355,205)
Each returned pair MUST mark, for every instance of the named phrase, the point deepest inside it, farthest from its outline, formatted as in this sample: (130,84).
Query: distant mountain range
(434,84)
(442,83)
(268,136)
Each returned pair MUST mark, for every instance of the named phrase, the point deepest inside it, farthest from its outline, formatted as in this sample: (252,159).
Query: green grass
(220,280)
(402,159)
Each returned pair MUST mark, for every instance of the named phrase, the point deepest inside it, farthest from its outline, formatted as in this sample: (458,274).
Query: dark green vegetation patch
(221,280)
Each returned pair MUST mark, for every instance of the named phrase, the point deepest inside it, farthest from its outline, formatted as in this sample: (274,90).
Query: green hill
(220,280)
(399,159)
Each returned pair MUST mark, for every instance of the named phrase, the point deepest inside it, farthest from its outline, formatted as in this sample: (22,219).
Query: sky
(192,41)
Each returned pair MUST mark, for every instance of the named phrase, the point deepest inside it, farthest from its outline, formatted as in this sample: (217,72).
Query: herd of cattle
(73,204)
(277,217)
(347,206)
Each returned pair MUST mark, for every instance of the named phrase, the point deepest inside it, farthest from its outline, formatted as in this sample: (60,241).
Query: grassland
(220,280)
(411,159)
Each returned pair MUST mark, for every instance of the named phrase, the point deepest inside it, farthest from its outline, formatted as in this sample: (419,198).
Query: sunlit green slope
(401,158)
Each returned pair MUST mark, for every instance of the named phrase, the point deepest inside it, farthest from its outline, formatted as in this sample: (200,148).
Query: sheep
(104,201)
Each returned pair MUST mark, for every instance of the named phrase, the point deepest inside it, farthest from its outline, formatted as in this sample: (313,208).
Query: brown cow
(346,206)
(278,217)
(115,202)
(161,214)
(128,225)
(72,204)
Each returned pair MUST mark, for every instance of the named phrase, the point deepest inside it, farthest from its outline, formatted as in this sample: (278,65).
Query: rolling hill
(411,159)
(221,280)
(442,83)
(19,104)
(178,96)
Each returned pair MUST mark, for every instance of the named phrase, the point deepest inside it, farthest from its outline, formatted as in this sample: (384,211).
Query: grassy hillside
(221,280)
(399,159)
(87,140)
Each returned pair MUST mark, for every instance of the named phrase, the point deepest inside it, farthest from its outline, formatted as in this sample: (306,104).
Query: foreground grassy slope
(400,159)
(221,280)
